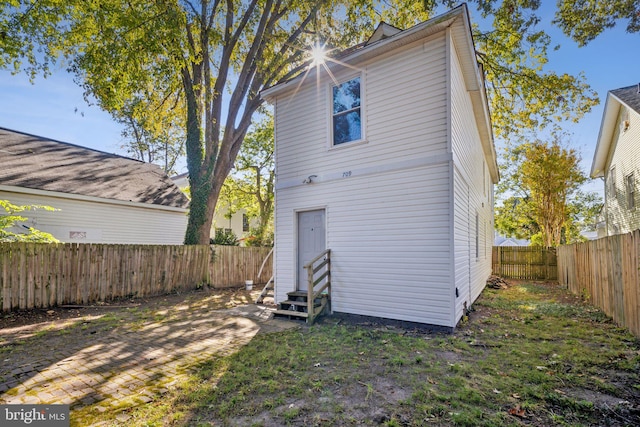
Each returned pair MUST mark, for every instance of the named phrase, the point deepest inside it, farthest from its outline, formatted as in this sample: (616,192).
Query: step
(298,294)
(291,313)
(302,303)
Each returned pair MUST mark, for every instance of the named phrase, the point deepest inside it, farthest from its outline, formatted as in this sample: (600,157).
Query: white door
(311,241)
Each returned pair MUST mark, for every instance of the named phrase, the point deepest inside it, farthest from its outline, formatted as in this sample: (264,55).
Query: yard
(531,354)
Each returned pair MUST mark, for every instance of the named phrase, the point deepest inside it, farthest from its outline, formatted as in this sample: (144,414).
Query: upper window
(347,114)
(477,236)
(631,191)
(611,182)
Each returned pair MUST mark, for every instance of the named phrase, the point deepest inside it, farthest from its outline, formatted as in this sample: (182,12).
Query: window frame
(611,182)
(477,236)
(331,139)
(630,189)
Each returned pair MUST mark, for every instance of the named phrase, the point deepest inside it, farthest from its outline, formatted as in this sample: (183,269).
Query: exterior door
(311,241)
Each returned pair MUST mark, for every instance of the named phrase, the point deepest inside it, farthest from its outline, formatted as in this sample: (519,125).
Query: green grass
(531,354)
(528,355)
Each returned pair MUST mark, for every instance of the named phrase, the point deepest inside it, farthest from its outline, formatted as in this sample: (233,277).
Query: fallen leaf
(517,411)
(496,391)
(515,396)
(541,368)
(317,365)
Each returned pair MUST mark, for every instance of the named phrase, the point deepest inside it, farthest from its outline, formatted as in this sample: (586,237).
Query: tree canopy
(543,200)
(212,58)
(584,21)
(251,187)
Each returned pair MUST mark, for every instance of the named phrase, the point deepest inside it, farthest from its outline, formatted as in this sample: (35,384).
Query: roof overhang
(93,199)
(380,47)
(605,136)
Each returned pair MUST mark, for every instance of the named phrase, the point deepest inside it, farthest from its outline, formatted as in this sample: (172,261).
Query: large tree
(217,55)
(543,197)
(153,138)
(583,21)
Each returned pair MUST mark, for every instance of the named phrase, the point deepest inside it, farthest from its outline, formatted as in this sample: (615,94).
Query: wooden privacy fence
(44,275)
(233,265)
(525,262)
(605,271)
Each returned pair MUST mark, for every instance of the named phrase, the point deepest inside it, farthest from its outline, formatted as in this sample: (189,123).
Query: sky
(54,107)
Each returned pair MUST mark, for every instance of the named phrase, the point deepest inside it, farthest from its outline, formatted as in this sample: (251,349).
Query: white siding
(404,112)
(626,159)
(473,184)
(94,222)
(389,237)
(387,201)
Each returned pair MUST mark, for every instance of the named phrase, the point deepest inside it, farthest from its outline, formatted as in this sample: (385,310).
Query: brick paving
(120,366)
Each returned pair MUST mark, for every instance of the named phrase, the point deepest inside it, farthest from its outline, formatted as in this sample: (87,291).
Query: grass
(531,355)
(528,355)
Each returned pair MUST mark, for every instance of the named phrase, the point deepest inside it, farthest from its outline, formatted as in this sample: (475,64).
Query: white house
(238,222)
(100,197)
(388,161)
(617,160)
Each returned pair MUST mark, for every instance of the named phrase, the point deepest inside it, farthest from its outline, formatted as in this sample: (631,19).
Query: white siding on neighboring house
(472,192)
(625,159)
(220,220)
(83,219)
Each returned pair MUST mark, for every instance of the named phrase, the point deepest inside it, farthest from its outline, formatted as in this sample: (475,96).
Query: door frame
(296,238)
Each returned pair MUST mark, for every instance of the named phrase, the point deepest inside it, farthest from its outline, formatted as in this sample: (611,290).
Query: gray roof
(39,163)
(629,96)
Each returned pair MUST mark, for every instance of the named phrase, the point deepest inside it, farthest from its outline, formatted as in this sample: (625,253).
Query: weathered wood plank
(42,275)
(605,271)
(525,262)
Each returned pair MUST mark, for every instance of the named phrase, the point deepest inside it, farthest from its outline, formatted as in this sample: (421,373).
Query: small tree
(11,219)
(251,187)
(544,202)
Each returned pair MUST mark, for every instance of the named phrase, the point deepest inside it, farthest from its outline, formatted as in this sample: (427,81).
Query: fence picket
(605,271)
(43,275)
(525,262)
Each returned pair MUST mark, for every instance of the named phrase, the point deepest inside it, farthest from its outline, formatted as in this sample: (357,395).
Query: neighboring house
(101,197)
(239,222)
(617,160)
(509,241)
(389,162)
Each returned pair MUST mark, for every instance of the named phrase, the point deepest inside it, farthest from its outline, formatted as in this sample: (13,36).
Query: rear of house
(389,163)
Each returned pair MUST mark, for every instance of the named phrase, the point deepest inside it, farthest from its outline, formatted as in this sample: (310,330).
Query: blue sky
(55,108)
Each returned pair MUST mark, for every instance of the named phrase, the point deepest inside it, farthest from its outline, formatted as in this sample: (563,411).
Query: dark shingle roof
(39,163)
(629,96)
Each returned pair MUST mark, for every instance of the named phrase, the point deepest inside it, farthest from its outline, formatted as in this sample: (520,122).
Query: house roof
(627,96)
(383,31)
(386,39)
(39,163)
